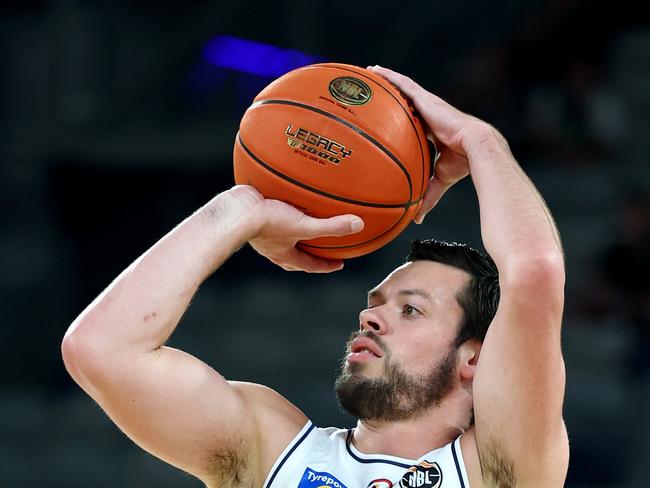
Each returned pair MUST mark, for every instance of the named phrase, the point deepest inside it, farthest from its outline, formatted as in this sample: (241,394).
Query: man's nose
(371,319)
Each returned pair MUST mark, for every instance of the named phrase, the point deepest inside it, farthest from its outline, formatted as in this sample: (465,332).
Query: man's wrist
(481,140)
(236,212)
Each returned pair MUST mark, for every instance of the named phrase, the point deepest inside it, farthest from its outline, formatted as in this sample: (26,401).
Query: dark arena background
(117,120)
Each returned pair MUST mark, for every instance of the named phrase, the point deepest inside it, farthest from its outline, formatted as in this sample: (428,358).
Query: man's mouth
(362,345)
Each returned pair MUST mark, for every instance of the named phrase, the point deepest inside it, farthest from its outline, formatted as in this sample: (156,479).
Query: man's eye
(410,310)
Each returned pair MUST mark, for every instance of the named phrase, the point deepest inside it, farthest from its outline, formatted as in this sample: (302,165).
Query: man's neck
(411,438)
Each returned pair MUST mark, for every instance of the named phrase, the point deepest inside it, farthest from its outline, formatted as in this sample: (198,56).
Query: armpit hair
(230,469)
(496,470)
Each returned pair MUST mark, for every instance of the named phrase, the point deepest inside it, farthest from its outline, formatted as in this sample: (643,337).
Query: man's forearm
(516,225)
(141,308)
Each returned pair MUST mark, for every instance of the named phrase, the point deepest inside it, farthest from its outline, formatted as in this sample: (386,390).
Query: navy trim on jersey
(358,459)
(286,456)
(460,473)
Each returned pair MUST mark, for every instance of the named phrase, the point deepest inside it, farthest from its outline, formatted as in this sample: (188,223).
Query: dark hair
(480,298)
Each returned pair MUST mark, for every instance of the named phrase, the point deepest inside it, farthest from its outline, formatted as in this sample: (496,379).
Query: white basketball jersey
(325,458)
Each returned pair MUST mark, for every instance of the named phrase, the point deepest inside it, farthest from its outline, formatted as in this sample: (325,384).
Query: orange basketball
(334,139)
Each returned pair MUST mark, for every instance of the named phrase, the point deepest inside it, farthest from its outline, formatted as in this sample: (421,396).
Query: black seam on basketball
(405,205)
(347,124)
(347,246)
(406,110)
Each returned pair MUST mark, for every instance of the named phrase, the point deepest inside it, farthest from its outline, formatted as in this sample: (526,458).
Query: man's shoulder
(272,411)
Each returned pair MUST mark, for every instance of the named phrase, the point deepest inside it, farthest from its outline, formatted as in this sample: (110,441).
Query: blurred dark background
(116,123)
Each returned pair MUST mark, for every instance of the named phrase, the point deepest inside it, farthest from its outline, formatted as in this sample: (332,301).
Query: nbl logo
(424,475)
(350,90)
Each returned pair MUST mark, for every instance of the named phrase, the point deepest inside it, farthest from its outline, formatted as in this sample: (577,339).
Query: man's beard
(395,395)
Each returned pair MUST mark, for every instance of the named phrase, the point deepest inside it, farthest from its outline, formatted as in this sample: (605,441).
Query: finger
(297,260)
(409,87)
(340,225)
(439,185)
(443,119)
(434,193)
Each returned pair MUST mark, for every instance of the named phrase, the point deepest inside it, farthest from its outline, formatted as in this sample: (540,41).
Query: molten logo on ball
(349,90)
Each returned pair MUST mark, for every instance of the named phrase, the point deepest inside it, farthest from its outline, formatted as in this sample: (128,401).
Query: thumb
(310,227)
(434,193)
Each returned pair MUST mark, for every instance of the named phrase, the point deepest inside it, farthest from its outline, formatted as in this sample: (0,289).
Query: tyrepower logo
(316,479)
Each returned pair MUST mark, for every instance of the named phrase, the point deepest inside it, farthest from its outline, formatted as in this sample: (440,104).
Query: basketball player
(440,402)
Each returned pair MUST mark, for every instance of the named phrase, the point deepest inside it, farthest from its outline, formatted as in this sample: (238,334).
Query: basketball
(334,139)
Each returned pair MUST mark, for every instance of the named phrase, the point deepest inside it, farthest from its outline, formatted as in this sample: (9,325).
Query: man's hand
(281,226)
(455,134)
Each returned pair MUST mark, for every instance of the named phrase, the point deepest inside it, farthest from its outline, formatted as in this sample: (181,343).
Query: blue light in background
(255,57)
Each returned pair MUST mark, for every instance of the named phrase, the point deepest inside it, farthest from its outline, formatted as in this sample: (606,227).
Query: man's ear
(468,354)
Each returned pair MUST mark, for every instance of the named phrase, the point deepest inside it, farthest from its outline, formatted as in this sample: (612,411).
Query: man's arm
(518,387)
(167,401)
(519,382)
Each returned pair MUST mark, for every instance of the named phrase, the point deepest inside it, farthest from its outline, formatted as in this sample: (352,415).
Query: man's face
(403,359)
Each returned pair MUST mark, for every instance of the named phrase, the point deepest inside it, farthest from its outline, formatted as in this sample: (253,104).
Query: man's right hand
(279,226)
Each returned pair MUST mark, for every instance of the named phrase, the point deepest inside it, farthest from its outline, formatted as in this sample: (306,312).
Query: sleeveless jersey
(326,458)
